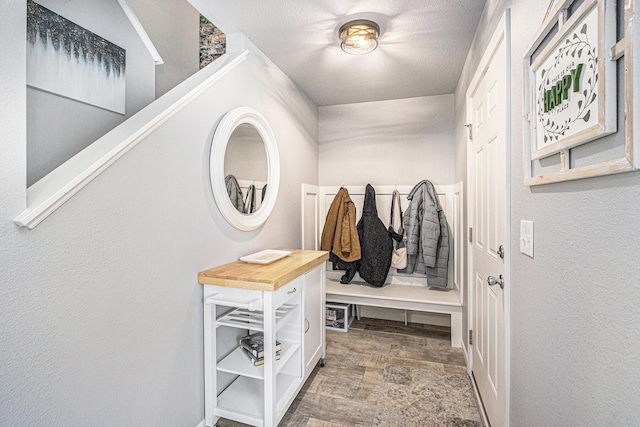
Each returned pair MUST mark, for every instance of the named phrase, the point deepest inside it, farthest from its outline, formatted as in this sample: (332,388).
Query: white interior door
(488,177)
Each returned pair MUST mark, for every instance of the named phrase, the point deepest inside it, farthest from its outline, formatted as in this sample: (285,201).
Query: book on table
(254,344)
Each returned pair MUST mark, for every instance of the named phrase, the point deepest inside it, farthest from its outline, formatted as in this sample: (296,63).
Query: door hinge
(470,234)
(470,133)
(470,337)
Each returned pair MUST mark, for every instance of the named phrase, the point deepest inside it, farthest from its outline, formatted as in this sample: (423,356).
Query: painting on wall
(68,60)
(213,42)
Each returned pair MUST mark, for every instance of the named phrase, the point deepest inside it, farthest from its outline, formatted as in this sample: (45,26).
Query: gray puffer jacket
(427,236)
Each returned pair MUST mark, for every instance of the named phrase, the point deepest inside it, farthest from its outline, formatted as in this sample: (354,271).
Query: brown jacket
(339,234)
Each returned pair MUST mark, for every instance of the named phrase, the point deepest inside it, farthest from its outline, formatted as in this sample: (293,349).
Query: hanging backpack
(399,254)
(376,244)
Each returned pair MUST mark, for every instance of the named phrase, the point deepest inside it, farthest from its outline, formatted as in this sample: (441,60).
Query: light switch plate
(526,237)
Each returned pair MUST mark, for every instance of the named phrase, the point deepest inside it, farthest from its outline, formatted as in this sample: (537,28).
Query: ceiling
(422,47)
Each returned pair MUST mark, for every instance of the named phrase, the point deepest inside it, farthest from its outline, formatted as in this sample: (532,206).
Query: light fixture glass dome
(359,37)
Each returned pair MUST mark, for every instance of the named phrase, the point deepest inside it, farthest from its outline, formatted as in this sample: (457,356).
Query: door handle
(493,281)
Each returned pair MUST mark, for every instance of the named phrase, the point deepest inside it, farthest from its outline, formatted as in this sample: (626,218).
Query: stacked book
(253,347)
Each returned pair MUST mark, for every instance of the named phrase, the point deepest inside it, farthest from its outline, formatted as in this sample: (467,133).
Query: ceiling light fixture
(359,37)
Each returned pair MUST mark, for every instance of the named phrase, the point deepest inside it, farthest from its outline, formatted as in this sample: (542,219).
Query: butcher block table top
(270,277)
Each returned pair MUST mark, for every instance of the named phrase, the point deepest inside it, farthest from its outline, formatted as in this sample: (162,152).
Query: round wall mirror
(244,168)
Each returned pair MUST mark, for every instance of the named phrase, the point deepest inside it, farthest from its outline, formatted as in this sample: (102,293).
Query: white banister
(52,191)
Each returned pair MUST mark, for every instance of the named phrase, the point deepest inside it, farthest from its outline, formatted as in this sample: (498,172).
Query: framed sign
(571,90)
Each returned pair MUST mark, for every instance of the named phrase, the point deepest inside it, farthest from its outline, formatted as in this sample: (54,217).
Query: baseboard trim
(201,423)
(483,412)
(466,357)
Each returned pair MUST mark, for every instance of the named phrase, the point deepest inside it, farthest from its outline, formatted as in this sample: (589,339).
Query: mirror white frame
(227,125)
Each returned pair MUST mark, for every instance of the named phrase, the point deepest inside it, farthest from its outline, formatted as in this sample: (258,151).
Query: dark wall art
(213,42)
(68,60)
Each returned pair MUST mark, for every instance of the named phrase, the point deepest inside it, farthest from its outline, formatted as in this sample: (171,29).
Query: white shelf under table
(239,364)
(243,400)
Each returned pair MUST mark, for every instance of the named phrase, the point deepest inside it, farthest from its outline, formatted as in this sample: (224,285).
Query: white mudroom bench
(407,297)
(402,292)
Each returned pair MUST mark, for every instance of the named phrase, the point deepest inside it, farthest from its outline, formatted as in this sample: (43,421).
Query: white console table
(284,300)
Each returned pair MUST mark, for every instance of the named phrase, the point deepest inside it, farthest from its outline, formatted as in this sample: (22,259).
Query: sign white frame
(601,92)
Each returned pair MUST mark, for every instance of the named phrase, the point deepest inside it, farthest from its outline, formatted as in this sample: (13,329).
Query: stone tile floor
(382,373)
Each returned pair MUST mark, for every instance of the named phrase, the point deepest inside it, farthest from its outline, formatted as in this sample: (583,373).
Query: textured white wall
(101,310)
(575,324)
(400,141)
(173,26)
(53,132)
